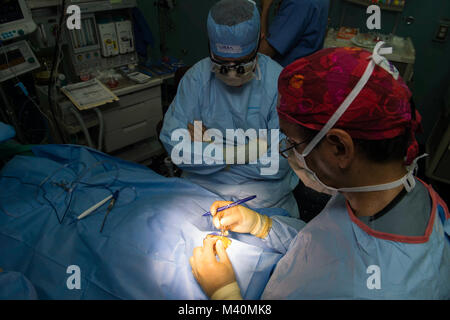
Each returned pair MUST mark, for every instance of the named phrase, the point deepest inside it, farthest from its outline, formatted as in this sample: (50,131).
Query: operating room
(224,149)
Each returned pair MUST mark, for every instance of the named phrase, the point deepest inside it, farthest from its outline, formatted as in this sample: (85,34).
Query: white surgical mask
(407,180)
(306,176)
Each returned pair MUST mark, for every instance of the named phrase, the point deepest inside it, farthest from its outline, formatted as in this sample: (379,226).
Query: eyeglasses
(240,68)
(286,145)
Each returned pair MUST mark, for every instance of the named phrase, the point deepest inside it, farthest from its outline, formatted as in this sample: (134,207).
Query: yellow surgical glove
(211,273)
(240,219)
(229,292)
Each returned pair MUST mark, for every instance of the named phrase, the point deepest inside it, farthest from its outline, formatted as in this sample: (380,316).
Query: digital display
(10,11)
(15,58)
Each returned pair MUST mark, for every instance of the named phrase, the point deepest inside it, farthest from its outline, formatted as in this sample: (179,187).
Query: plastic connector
(23,88)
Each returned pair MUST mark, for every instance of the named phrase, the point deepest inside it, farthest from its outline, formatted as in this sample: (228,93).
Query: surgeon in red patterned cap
(384,234)
(328,91)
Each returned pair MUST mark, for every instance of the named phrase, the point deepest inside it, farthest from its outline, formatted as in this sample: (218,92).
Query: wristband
(263,226)
(229,292)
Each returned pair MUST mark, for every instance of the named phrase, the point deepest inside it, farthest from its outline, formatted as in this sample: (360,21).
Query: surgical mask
(306,176)
(407,180)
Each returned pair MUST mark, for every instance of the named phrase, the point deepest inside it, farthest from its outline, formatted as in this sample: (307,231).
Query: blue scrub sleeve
(283,232)
(184,109)
(289,25)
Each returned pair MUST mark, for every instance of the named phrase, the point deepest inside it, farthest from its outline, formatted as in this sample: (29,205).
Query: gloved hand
(211,274)
(200,137)
(240,219)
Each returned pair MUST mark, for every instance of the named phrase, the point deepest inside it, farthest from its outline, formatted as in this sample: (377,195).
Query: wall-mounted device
(85,45)
(15,59)
(443,31)
(15,19)
(47,21)
(108,39)
(124,31)
(87,6)
(105,41)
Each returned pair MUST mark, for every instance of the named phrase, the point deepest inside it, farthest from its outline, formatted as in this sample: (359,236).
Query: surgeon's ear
(342,147)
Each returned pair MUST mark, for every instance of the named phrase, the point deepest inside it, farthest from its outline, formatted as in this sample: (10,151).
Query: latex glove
(191,128)
(211,274)
(229,292)
(240,219)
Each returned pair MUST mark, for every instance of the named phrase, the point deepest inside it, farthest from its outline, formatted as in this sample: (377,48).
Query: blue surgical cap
(233,28)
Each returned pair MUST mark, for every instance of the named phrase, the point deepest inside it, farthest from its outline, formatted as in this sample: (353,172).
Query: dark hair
(379,151)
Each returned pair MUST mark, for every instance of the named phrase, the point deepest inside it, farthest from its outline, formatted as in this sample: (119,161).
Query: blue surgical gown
(6,132)
(336,256)
(298,30)
(201,96)
(15,286)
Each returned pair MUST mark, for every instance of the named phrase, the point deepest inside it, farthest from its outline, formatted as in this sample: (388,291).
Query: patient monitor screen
(10,11)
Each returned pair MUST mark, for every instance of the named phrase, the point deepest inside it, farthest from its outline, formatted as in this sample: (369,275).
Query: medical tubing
(83,126)
(71,189)
(74,184)
(101,128)
(56,56)
(77,182)
(67,208)
(107,186)
(67,165)
(116,177)
(26,183)
(44,195)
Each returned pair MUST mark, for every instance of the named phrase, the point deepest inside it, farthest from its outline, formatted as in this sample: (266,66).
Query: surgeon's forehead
(236,60)
(292,130)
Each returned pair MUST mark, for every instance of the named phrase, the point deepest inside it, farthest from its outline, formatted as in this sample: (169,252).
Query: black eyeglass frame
(240,67)
(291,147)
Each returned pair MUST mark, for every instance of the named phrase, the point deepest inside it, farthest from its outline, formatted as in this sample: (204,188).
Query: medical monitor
(15,19)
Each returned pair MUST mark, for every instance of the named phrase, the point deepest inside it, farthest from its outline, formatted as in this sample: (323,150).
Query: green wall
(186,36)
(187,39)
